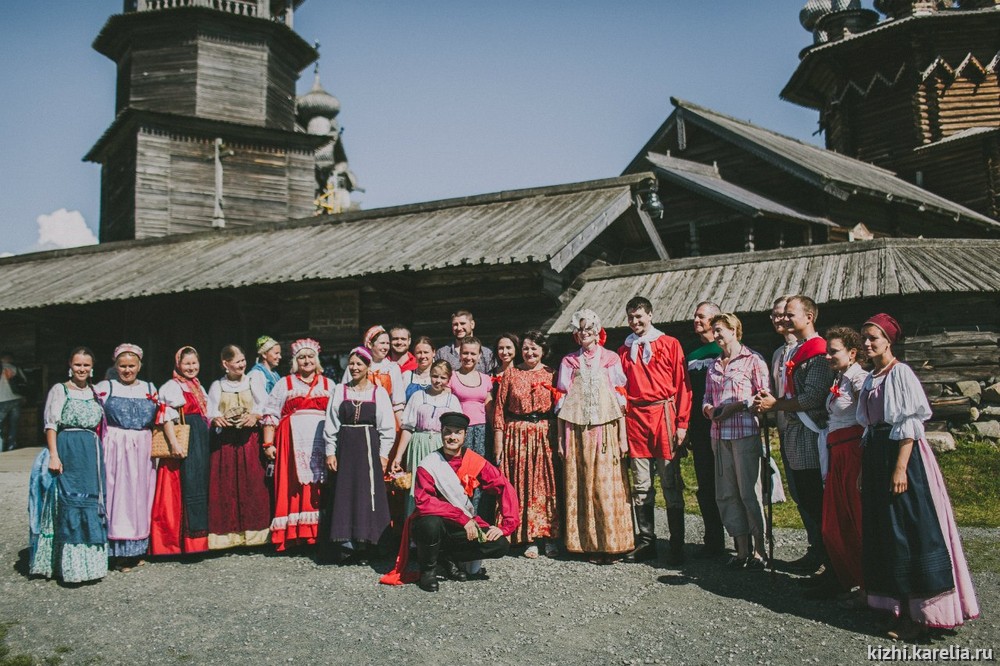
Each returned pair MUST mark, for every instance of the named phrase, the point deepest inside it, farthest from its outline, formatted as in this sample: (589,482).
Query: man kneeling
(445,528)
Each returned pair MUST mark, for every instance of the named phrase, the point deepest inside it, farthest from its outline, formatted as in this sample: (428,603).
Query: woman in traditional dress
(420,377)
(593,446)
(523,444)
(474,390)
(263,375)
(912,561)
(841,525)
(293,439)
(736,376)
(77,548)
(130,408)
(239,504)
(180,505)
(421,429)
(360,430)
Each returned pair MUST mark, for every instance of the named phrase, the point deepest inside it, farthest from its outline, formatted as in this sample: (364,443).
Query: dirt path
(256,607)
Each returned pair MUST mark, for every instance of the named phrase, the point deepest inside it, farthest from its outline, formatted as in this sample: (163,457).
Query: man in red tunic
(659,409)
(444,526)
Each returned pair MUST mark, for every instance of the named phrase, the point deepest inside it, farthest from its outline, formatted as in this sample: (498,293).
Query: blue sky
(439,98)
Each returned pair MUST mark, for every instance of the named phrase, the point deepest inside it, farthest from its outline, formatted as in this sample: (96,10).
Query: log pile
(960,372)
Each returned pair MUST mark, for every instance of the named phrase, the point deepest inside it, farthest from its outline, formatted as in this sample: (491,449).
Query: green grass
(8,659)
(971,473)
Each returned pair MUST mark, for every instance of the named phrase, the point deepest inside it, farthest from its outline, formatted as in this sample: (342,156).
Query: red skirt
(167,533)
(842,506)
(296,505)
(179,520)
(529,466)
(239,503)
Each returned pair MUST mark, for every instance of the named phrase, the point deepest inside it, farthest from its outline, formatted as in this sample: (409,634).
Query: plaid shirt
(812,384)
(738,381)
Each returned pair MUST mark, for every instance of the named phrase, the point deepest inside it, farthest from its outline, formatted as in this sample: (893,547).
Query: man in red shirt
(445,527)
(659,409)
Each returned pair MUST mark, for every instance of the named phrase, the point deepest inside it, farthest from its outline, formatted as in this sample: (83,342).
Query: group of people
(462,451)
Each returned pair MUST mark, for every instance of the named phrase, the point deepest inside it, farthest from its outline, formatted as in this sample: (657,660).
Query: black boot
(427,555)
(645,540)
(675,522)
(454,571)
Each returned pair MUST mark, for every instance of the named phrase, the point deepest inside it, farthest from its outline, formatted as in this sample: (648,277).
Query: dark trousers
(811,524)
(455,545)
(809,487)
(704,470)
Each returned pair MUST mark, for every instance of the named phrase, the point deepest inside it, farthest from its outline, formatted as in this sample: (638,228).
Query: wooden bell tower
(205,132)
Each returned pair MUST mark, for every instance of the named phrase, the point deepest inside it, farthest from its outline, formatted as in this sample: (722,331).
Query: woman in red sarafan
(293,438)
(239,504)
(523,444)
(179,522)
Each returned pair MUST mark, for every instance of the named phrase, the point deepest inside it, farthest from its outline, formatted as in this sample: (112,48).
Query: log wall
(176,192)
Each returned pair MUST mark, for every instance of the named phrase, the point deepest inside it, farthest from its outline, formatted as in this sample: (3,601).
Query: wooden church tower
(205,128)
(914,90)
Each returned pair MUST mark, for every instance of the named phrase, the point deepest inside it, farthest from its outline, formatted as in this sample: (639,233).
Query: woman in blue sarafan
(912,559)
(70,536)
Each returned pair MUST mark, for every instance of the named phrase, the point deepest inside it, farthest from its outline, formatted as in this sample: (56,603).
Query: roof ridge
(502,196)
(680,103)
(760,256)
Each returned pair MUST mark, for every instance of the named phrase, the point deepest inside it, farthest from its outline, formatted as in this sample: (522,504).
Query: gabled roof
(548,226)
(749,282)
(705,181)
(836,174)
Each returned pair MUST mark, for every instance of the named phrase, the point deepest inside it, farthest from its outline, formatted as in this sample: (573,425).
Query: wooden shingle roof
(749,282)
(548,225)
(705,181)
(837,175)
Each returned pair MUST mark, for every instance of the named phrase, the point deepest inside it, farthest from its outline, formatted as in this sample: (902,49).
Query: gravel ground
(256,607)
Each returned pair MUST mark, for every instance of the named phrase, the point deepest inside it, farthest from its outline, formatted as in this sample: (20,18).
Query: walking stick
(769,526)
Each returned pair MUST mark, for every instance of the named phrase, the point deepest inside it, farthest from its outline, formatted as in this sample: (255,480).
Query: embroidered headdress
(371,334)
(264,343)
(304,343)
(363,353)
(127,348)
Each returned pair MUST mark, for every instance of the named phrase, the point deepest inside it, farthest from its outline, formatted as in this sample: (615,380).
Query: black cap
(455,420)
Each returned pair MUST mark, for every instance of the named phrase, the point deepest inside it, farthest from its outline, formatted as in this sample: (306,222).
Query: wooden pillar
(748,244)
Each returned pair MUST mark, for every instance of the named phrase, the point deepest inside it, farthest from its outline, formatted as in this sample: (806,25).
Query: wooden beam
(654,237)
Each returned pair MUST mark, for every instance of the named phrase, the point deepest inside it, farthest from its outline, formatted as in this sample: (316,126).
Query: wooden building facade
(918,93)
(508,256)
(728,185)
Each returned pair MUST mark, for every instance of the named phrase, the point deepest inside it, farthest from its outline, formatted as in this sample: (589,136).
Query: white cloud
(62,228)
